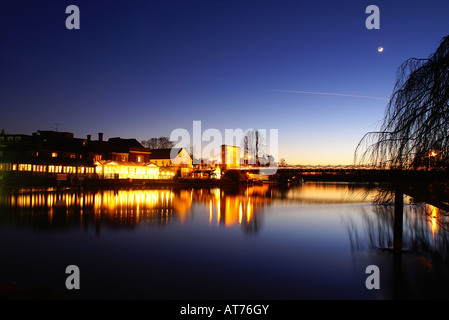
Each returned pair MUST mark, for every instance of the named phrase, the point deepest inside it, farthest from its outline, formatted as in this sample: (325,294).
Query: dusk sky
(140,69)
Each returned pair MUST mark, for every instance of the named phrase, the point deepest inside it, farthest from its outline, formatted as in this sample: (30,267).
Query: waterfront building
(52,155)
(108,169)
(230,156)
(118,149)
(173,160)
(44,156)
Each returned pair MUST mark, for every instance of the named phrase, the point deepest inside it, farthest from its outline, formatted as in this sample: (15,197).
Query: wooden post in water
(398,221)
(397,244)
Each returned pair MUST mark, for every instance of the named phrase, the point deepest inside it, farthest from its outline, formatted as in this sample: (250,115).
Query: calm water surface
(312,241)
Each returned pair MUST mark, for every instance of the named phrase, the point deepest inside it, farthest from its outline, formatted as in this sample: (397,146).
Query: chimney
(100,136)
(89,137)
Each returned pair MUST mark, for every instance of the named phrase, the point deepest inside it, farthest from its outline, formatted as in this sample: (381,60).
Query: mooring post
(397,243)
(398,221)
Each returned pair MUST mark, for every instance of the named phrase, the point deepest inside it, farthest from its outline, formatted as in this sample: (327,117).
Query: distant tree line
(158,143)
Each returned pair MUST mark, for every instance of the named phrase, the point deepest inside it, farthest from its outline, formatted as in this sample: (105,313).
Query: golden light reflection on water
(222,207)
(138,206)
(433,218)
(233,209)
(436,217)
(119,206)
(330,193)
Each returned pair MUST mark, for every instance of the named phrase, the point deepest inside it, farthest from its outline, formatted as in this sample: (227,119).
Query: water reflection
(51,208)
(327,193)
(333,227)
(421,270)
(46,208)
(424,229)
(226,207)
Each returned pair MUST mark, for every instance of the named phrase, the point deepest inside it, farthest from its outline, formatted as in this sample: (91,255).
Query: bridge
(349,173)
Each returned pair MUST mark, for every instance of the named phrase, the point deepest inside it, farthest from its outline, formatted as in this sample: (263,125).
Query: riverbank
(95,183)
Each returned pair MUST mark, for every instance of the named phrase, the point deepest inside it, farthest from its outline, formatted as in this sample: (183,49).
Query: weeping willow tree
(415,130)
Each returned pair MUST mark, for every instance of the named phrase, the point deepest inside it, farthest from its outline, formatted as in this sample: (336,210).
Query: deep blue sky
(140,69)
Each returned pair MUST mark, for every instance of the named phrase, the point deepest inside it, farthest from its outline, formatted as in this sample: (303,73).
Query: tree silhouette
(158,143)
(415,130)
(253,145)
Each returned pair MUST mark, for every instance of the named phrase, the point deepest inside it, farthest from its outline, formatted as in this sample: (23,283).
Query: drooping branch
(415,130)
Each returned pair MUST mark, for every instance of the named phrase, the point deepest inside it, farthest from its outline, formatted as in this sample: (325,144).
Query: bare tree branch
(415,130)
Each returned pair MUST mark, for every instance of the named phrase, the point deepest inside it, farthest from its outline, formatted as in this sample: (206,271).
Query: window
(139,159)
(24,167)
(54,154)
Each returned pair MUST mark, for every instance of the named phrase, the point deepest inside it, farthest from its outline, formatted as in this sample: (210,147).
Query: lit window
(54,154)
(139,159)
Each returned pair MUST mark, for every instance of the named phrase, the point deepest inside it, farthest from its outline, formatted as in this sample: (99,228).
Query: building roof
(64,144)
(160,154)
(126,145)
(117,145)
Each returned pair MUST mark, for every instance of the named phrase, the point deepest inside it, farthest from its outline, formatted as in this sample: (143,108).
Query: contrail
(333,94)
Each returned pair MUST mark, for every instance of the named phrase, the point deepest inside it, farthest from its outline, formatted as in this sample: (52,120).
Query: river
(311,241)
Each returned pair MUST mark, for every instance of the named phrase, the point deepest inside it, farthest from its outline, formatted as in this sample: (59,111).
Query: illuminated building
(108,169)
(118,149)
(44,156)
(51,156)
(172,160)
(230,156)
